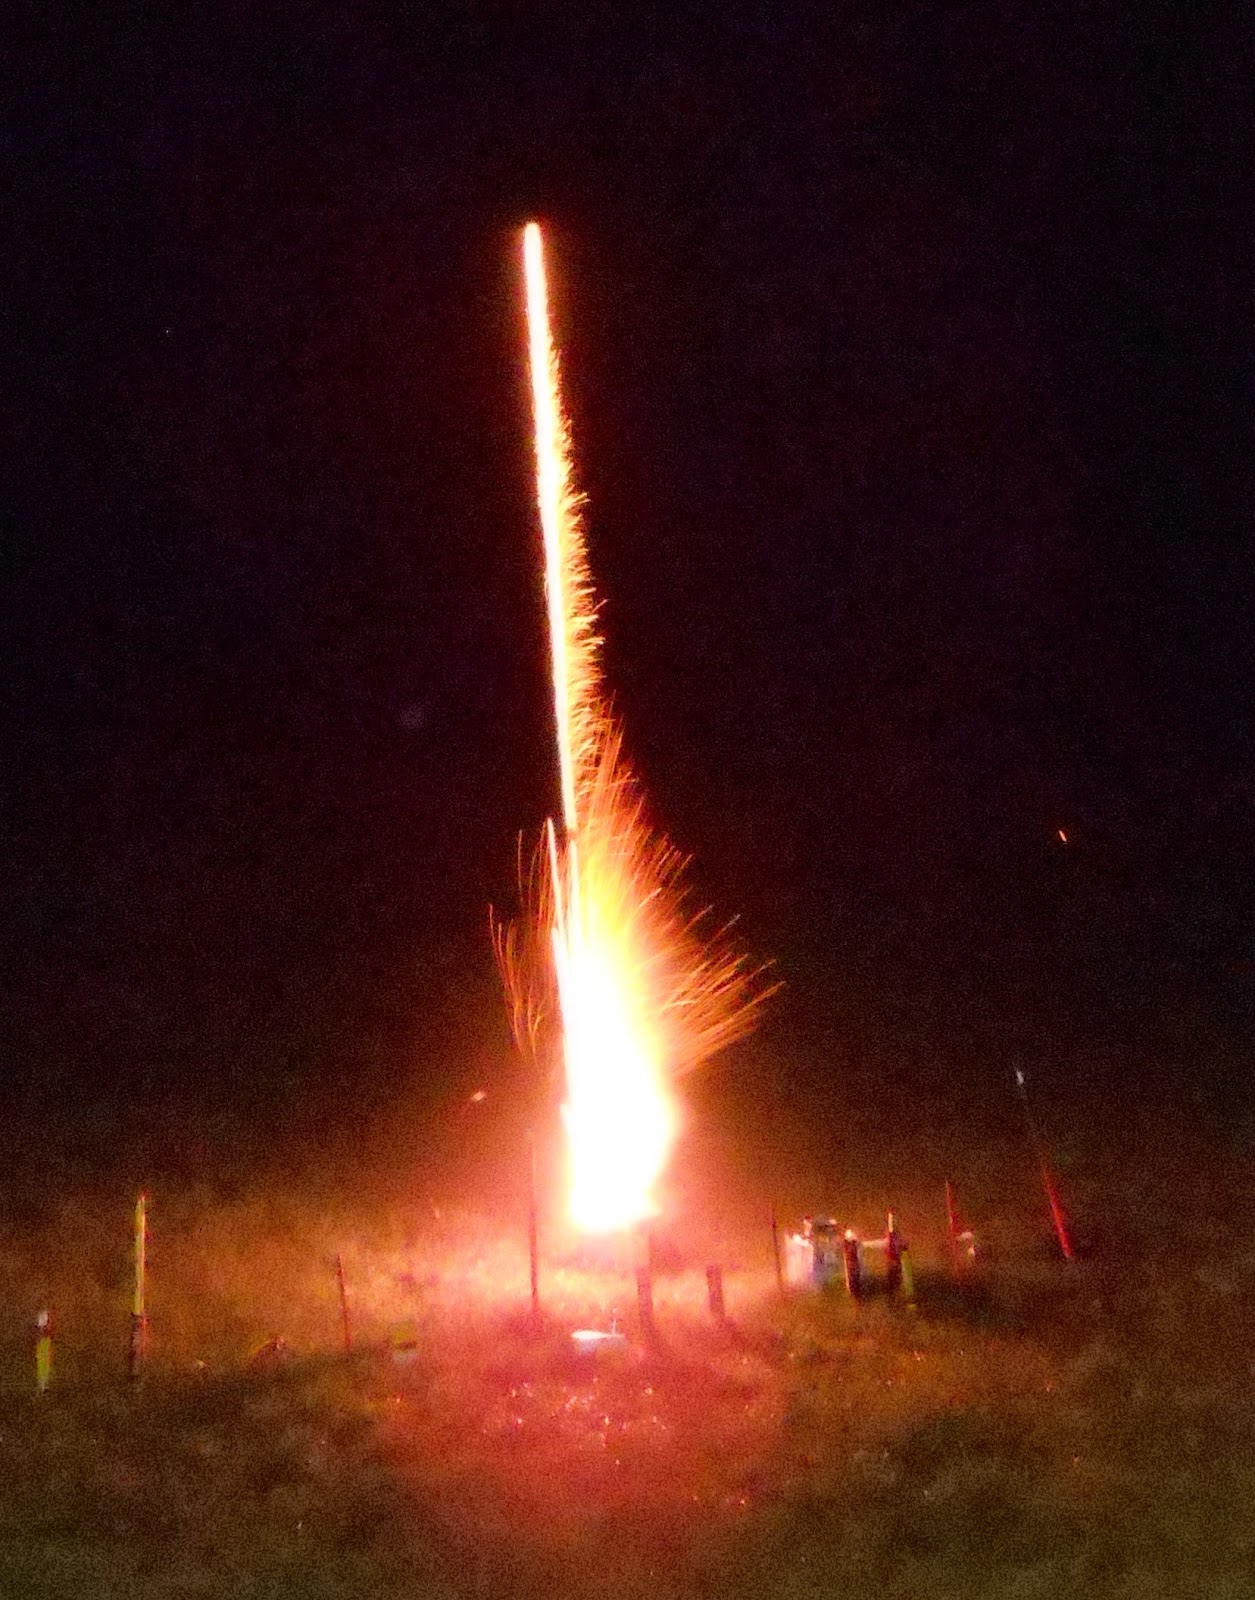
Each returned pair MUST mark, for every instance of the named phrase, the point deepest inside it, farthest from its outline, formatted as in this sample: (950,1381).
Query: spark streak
(568,591)
(641,998)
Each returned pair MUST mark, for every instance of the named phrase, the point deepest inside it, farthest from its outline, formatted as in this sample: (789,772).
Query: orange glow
(1063,838)
(640,998)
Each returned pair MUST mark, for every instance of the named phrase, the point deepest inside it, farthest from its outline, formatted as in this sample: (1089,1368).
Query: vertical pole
(851,1264)
(645,1301)
(139,1299)
(775,1249)
(344,1305)
(533,1252)
(714,1292)
(908,1275)
(893,1256)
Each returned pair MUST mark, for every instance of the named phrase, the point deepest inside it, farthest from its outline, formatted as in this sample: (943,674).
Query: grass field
(1080,1430)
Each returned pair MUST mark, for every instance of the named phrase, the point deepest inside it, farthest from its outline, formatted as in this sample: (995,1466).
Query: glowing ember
(640,998)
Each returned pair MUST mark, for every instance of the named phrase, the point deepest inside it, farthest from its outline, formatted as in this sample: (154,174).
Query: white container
(799,1261)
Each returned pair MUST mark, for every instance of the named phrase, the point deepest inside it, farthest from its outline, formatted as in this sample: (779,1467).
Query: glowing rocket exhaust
(641,998)
(572,642)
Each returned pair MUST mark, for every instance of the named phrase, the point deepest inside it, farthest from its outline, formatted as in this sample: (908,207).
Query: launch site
(629,899)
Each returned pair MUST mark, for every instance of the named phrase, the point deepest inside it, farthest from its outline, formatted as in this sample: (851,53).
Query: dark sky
(909,356)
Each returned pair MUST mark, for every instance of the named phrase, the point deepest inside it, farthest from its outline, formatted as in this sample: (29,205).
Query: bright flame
(572,642)
(640,998)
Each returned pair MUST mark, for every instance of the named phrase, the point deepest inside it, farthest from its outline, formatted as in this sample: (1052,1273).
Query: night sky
(909,356)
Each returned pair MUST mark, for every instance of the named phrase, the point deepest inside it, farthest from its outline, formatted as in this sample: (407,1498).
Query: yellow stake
(43,1352)
(908,1277)
(139,1303)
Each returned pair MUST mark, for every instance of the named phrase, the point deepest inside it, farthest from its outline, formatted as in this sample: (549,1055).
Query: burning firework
(641,997)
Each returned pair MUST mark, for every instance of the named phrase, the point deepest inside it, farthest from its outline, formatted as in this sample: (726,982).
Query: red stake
(952,1227)
(344,1304)
(1056,1212)
(1052,1194)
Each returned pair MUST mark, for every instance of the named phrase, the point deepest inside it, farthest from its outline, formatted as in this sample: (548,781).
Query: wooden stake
(893,1256)
(344,1305)
(775,1249)
(852,1264)
(645,1301)
(714,1292)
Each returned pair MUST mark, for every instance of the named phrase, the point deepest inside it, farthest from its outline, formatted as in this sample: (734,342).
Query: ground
(1054,1429)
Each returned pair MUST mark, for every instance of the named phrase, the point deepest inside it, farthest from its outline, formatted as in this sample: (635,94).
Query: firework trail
(642,996)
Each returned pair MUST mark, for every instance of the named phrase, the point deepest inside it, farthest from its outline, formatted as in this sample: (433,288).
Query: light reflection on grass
(1068,1432)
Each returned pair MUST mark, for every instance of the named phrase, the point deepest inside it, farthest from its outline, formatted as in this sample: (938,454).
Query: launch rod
(344,1305)
(952,1227)
(1047,1177)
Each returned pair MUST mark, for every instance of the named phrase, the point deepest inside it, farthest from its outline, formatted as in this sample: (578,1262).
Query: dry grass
(1062,1432)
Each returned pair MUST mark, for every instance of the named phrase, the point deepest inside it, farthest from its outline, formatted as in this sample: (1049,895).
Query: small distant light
(1063,838)
(478,1096)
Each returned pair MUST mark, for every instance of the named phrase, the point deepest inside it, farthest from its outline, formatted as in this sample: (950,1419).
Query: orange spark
(641,998)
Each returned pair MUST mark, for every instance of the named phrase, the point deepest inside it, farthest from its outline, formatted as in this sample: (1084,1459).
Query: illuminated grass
(1069,1433)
